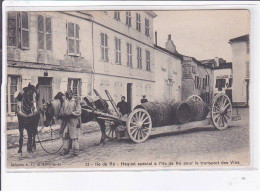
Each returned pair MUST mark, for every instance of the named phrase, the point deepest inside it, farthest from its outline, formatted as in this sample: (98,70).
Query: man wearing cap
(70,114)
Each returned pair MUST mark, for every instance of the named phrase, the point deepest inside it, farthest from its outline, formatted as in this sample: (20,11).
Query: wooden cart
(138,125)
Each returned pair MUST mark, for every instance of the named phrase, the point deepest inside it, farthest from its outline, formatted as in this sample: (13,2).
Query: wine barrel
(159,111)
(199,110)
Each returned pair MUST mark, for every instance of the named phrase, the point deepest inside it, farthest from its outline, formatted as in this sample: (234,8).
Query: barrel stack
(172,112)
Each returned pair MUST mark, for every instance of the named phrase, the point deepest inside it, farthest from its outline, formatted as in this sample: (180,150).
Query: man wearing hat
(70,114)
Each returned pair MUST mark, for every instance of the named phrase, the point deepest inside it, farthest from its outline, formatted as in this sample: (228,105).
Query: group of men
(70,126)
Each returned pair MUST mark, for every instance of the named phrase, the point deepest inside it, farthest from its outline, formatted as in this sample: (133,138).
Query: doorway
(129,95)
(45,91)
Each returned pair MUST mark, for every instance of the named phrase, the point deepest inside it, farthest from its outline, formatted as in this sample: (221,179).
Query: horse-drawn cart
(140,123)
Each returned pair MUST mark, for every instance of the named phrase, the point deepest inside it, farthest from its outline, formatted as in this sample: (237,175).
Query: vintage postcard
(127,89)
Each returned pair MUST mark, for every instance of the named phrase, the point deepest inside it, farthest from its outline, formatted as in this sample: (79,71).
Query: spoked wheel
(221,111)
(139,125)
(48,136)
(110,130)
(195,97)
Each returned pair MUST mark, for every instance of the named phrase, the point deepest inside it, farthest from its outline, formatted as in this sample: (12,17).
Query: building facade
(124,54)
(80,51)
(222,74)
(197,79)
(48,49)
(241,71)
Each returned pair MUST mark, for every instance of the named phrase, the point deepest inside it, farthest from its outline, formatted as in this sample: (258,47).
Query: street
(194,148)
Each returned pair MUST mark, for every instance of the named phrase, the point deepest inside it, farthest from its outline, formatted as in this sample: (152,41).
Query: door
(129,95)
(45,91)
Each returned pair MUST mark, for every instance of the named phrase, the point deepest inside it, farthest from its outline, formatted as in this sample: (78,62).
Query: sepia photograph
(127,89)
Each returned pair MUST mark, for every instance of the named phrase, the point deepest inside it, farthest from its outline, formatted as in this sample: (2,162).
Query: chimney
(169,45)
(156,38)
(216,62)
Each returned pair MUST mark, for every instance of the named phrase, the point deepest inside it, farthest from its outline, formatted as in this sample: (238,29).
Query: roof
(152,14)
(171,53)
(198,62)
(240,38)
(224,66)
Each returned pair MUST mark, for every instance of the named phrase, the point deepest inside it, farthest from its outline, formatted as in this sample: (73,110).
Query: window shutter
(48,31)
(40,32)
(12,29)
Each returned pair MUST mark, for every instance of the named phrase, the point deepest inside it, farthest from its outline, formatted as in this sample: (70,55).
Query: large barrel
(159,111)
(181,112)
(199,109)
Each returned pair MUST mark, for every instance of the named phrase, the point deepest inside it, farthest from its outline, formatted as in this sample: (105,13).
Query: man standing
(123,107)
(70,114)
(144,99)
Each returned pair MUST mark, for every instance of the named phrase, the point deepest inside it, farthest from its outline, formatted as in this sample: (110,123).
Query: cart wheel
(221,111)
(139,125)
(110,129)
(195,97)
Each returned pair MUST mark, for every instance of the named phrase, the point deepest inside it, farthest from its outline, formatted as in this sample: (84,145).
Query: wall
(168,69)
(58,55)
(114,77)
(240,60)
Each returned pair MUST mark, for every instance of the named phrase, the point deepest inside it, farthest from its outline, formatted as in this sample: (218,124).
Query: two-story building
(80,50)
(49,49)
(240,64)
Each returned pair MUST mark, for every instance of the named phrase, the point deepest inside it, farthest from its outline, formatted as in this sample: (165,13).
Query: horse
(52,110)
(28,113)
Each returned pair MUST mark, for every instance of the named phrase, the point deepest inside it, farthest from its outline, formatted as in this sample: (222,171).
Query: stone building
(197,79)
(51,49)
(241,71)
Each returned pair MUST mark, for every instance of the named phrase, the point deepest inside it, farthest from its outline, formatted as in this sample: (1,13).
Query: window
(147,27)
(220,83)
(197,82)
(148,61)
(204,83)
(128,18)
(104,47)
(75,86)
(247,70)
(18,36)
(138,22)
(117,15)
(118,50)
(207,80)
(73,39)
(139,57)
(247,47)
(129,55)
(194,70)
(44,33)
(13,84)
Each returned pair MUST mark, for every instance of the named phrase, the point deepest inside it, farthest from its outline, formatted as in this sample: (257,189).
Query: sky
(203,34)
